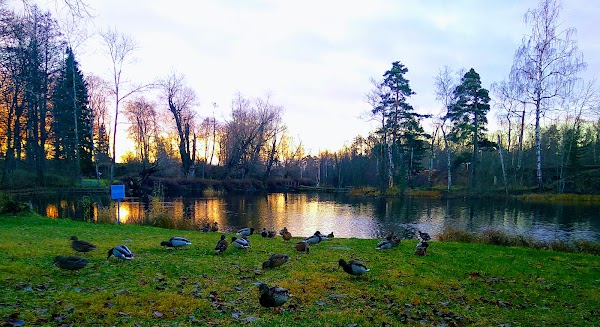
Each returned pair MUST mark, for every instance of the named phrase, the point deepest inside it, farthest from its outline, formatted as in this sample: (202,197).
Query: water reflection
(360,217)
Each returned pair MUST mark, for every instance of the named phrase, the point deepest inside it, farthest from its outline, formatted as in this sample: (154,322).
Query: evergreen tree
(468,113)
(71,118)
(403,123)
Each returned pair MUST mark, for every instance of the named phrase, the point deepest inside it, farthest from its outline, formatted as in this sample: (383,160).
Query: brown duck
(81,246)
(70,262)
(222,245)
(302,246)
(275,261)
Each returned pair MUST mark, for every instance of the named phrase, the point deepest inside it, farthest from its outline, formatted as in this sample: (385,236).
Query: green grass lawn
(456,284)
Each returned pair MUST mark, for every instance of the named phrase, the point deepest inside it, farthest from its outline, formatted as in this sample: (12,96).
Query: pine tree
(468,113)
(403,123)
(71,118)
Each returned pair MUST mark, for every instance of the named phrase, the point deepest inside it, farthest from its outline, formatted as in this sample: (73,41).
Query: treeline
(59,125)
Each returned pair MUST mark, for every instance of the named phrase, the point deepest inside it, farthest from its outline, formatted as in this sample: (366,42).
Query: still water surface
(347,216)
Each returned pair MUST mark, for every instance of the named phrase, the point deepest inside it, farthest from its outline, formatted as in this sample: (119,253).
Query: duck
(264,232)
(121,252)
(222,245)
(422,248)
(313,239)
(388,243)
(302,246)
(424,236)
(81,246)
(287,235)
(70,262)
(353,267)
(214,227)
(282,231)
(275,261)
(176,242)
(272,297)
(271,234)
(240,243)
(321,236)
(206,228)
(330,235)
(246,231)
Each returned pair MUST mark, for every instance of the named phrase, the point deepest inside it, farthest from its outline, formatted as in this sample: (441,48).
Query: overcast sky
(316,58)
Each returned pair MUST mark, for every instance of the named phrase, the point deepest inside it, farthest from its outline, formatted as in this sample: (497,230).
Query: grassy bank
(568,199)
(457,284)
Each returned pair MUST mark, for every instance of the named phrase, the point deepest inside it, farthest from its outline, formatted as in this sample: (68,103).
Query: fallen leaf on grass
(474,275)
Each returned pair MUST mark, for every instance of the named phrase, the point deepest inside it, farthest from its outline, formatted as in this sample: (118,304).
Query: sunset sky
(316,58)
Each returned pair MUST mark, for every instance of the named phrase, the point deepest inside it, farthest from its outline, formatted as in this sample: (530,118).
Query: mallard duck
(282,231)
(354,267)
(246,231)
(422,248)
(222,245)
(313,239)
(240,243)
(81,246)
(176,242)
(388,243)
(424,236)
(321,236)
(70,262)
(264,232)
(275,261)
(302,246)
(272,297)
(205,228)
(287,235)
(214,227)
(121,252)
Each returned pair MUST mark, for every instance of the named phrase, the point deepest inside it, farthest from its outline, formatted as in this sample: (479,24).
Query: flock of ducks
(271,297)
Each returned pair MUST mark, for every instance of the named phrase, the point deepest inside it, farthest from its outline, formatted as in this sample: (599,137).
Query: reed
(500,237)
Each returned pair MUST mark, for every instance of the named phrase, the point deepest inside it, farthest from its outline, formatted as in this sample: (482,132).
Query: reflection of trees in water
(364,217)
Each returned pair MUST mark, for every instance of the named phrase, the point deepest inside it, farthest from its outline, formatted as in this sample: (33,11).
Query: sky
(315,58)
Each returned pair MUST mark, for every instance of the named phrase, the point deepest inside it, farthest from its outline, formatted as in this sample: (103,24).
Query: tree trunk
(502,165)
(538,146)
(390,165)
(448,158)
(520,155)
(472,181)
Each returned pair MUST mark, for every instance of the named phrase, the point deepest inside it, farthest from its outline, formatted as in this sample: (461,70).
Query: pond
(344,215)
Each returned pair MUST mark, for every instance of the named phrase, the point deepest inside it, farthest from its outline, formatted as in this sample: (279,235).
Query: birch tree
(445,84)
(546,65)
(119,48)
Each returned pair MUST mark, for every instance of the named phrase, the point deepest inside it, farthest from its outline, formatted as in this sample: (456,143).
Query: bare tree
(180,100)
(97,90)
(577,105)
(254,122)
(445,84)
(546,65)
(142,116)
(119,48)
(375,99)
